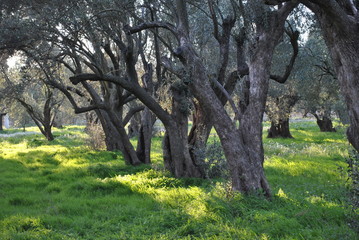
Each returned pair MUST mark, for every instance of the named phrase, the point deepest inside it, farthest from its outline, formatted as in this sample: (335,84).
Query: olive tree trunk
(243,148)
(143,149)
(325,124)
(182,165)
(279,129)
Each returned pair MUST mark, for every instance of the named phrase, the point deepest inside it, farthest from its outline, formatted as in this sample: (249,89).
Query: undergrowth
(65,190)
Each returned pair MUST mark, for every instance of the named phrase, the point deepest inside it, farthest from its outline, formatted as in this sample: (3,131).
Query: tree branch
(132,112)
(147,25)
(294,36)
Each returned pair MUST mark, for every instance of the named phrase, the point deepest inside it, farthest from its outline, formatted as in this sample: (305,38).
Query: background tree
(338,21)
(27,87)
(317,82)
(282,96)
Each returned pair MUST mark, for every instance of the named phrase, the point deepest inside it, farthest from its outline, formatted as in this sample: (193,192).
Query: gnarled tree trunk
(176,151)
(199,133)
(243,148)
(279,129)
(325,124)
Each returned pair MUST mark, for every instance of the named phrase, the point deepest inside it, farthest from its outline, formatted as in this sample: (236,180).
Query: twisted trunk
(199,133)
(243,148)
(176,151)
(279,129)
(325,124)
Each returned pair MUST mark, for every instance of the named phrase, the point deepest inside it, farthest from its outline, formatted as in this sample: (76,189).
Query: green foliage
(353,173)
(216,165)
(64,190)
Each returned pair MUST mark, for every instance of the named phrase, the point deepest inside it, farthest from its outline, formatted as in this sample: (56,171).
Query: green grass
(64,190)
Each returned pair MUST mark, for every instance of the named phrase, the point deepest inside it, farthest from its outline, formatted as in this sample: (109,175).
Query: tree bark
(280,129)
(243,148)
(325,124)
(143,149)
(134,127)
(199,133)
(176,149)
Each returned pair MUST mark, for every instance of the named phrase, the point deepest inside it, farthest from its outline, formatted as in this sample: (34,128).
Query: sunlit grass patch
(65,190)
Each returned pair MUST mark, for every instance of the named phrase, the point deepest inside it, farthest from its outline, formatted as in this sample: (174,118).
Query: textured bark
(112,137)
(280,129)
(143,149)
(243,148)
(176,149)
(199,133)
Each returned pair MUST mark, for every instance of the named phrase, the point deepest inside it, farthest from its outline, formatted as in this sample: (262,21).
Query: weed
(96,137)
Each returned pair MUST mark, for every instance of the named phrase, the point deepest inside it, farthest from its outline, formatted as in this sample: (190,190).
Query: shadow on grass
(47,197)
(70,192)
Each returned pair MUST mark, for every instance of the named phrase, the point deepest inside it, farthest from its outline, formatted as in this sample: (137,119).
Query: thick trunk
(325,124)
(112,140)
(48,133)
(116,138)
(198,135)
(177,158)
(112,137)
(279,129)
(128,149)
(243,149)
(143,149)
(176,150)
(134,127)
(342,39)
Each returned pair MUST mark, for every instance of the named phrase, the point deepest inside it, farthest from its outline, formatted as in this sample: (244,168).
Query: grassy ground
(63,190)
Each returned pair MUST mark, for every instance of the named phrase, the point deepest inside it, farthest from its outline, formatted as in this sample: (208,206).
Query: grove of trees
(221,64)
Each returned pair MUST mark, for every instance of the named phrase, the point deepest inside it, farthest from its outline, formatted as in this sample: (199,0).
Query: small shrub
(96,137)
(215,163)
